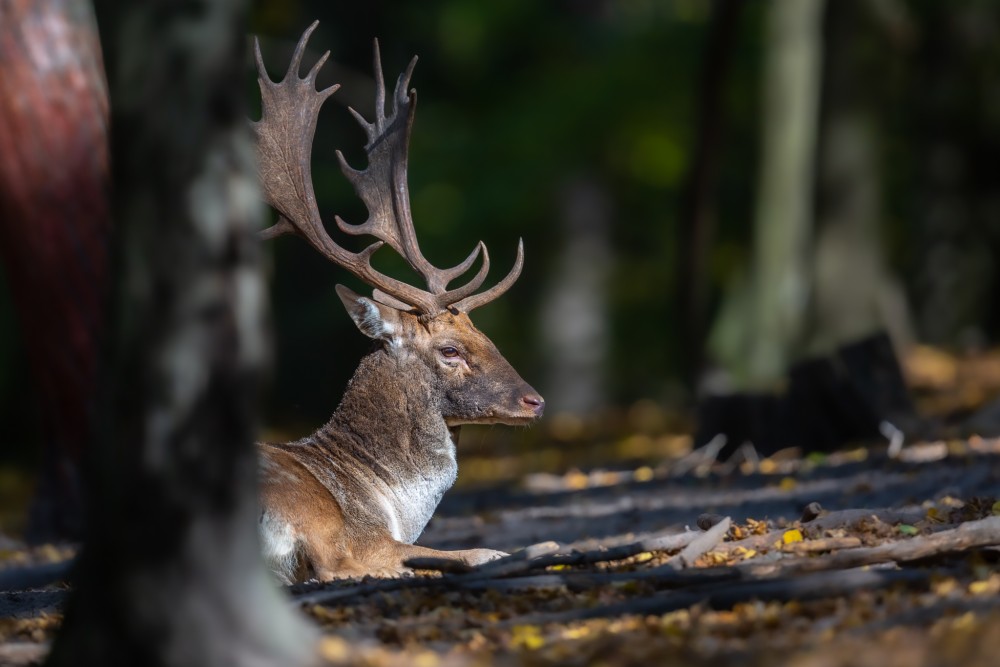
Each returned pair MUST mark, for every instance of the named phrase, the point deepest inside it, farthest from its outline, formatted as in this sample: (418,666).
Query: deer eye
(449,352)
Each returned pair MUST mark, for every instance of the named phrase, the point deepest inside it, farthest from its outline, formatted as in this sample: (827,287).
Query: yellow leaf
(996,508)
(944,586)
(426,659)
(643,474)
(576,633)
(980,587)
(793,535)
(527,636)
(715,558)
(934,514)
(333,649)
(990,586)
(787,483)
(575,479)
(643,557)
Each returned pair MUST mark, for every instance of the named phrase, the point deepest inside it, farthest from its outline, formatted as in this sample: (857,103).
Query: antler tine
(476,300)
(446,298)
(454,272)
(379,91)
(284,146)
(401,92)
(383,186)
(300,49)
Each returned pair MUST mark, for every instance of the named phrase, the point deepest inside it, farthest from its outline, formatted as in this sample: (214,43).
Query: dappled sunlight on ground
(855,557)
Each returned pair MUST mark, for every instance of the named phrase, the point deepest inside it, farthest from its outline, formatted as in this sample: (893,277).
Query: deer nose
(535,402)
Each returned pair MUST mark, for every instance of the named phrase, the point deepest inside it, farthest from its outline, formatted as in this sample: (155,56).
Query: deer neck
(390,420)
(382,392)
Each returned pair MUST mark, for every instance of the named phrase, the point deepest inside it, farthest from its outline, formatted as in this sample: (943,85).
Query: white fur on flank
(277,540)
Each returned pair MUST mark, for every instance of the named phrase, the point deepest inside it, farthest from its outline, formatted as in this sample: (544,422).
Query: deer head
(427,331)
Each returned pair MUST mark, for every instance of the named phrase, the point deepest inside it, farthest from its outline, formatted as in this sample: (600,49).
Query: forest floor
(850,558)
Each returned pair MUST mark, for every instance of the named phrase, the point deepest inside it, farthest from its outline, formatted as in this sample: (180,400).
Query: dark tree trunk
(697,209)
(171,572)
(54,227)
(956,277)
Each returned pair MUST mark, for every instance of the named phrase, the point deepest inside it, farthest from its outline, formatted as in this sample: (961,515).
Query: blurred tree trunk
(574,308)
(853,295)
(758,328)
(697,201)
(171,572)
(810,320)
(54,228)
(956,277)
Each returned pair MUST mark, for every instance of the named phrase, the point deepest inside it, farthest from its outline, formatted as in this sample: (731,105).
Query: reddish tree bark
(54,228)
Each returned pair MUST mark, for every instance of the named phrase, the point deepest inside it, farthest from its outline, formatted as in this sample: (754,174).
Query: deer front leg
(471,557)
(384,557)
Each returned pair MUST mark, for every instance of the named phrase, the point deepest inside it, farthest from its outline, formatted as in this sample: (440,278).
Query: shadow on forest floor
(848,559)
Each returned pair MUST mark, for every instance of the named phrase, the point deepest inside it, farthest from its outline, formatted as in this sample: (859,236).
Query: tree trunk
(853,296)
(171,572)
(956,276)
(757,331)
(54,228)
(574,308)
(697,201)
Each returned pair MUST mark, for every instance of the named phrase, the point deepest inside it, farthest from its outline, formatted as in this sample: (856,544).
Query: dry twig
(701,545)
(981,533)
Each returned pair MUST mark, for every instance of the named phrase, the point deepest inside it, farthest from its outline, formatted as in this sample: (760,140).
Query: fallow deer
(350,499)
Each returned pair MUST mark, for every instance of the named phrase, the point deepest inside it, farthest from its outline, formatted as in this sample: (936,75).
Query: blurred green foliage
(518,97)
(515,98)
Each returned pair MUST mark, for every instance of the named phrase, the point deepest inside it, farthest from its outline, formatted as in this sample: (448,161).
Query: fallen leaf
(793,535)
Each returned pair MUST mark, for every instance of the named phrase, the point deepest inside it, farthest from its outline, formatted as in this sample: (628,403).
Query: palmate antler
(284,149)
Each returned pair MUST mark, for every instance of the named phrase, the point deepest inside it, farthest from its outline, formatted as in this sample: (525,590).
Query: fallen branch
(754,542)
(970,535)
(843,518)
(830,520)
(656,542)
(822,544)
(701,545)
(519,561)
(500,578)
(621,552)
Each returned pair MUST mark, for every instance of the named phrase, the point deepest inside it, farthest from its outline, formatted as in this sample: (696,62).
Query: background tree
(171,573)
(54,226)
(756,335)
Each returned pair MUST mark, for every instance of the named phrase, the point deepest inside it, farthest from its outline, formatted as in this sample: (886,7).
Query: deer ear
(374,319)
